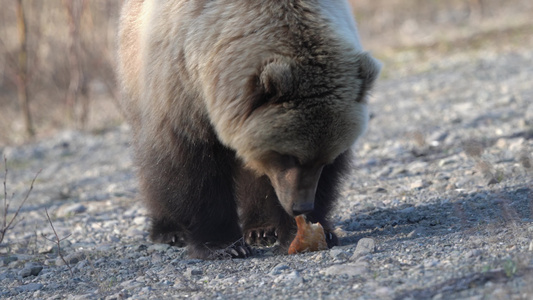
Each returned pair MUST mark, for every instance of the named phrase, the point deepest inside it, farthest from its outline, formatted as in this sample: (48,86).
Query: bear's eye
(282,162)
(288,161)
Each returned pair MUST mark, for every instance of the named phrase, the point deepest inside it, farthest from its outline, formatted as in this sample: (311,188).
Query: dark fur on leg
(263,219)
(190,196)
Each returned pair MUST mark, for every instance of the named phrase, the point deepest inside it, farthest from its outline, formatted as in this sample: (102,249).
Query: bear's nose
(302,208)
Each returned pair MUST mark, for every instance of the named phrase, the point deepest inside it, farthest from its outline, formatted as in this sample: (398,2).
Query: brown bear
(243,114)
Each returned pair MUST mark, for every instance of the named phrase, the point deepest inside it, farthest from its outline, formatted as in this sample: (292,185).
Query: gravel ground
(438,206)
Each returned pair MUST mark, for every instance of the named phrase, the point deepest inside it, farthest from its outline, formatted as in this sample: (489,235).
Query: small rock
(319,256)
(407,210)
(134,232)
(4,261)
(339,254)
(278,269)
(30,287)
(473,253)
(141,220)
(493,180)
(130,284)
(417,167)
(38,294)
(182,284)
(30,269)
(7,275)
(420,184)
(416,233)
(345,269)
(431,263)
(45,249)
(146,290)
(384,292)
(190,272)
(294,278)
(142,247)
(531,246)
(72,209)
(104,247)
(158,247)
(71,259)
(192,261)
(364,246)
(379,190)
(156,258)
(438,137)
(385,172)
(448,161)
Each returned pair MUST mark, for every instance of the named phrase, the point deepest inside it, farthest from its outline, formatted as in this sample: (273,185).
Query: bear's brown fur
(242,114)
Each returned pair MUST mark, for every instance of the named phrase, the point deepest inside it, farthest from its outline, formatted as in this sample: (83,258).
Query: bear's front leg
(188,189)
(263,219)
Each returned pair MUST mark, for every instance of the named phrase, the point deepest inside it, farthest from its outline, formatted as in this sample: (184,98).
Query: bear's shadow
(462,214)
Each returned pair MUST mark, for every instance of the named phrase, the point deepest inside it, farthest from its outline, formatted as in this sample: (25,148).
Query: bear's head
(300,115)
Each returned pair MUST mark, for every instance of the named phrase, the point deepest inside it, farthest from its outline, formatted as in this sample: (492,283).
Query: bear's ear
(369,69)
(273,84)
(276,80)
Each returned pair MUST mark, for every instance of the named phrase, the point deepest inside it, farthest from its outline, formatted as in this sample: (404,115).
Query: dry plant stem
(57,241)
(6,205)
(22,82)
(6,225)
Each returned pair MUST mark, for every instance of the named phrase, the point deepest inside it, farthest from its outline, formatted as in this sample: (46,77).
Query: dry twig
(5,224)
(57,241)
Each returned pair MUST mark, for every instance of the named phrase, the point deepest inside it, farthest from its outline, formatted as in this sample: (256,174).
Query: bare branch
(5,224)
(23,201)
(58,242)
(6,205)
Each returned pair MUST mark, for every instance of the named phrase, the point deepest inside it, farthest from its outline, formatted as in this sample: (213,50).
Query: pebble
(6,260)
(419,231)
(364,246)
(141,220)
(473,253)
(379,190)
(7,275)
(420,184)
(134,232)
(30,287)
(30,269)
(158,247)
(190,272)
(294,278)
(339,254)
(48,248)
(351,270)
(71,209)
(278,269)
(70,259)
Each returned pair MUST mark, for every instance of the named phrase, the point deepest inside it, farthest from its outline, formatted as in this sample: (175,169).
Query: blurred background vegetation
(57,56)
